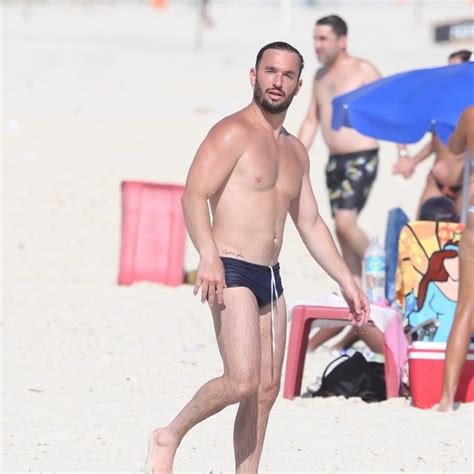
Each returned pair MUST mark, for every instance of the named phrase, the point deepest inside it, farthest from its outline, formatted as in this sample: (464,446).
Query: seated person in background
(440,209)
(373,339)
(445,177)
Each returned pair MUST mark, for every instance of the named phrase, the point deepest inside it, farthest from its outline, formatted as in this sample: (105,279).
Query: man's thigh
(236,323)
(272,351)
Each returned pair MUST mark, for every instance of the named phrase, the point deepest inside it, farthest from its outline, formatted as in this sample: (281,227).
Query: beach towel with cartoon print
(427,273)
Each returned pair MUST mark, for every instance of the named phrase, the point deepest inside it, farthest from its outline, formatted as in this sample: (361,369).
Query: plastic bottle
(374,272)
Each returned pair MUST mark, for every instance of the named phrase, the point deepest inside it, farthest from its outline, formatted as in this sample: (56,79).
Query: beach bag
(354,377)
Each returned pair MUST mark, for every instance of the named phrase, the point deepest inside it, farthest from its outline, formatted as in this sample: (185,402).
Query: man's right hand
(358,303)
(210,278)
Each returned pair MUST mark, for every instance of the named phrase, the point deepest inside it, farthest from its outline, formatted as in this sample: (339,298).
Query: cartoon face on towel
(427,275)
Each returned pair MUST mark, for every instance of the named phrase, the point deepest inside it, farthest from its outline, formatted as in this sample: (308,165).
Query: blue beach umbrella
(403,107)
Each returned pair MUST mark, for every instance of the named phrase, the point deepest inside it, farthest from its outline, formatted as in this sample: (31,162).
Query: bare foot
(162,447)
(445,406)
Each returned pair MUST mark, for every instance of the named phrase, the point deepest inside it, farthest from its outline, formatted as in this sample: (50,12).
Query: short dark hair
(338,25)
(463,54)
(281,46)
(438,208)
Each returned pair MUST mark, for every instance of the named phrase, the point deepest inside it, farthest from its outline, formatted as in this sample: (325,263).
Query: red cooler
(426,366)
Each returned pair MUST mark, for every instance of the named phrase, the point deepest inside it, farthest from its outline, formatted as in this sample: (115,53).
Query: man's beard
(268,106)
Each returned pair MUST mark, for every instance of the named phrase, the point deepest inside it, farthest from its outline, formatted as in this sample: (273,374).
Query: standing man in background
(353,158)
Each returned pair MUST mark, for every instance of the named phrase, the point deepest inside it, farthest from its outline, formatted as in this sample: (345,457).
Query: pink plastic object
(395,354)
(392,377)
(153,233)
(301,321)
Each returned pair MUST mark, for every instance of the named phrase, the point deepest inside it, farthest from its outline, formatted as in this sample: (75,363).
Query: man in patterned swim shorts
(349,178)
(353,159)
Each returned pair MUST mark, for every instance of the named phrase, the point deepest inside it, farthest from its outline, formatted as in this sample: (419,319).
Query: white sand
(95,95)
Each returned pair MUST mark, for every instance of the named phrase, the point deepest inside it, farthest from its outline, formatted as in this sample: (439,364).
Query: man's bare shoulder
(234,127)
(232,133)
(364,67)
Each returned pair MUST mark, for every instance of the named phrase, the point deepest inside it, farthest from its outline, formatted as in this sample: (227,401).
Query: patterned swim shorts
(349,178)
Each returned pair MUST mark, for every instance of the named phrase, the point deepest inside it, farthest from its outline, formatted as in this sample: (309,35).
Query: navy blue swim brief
(257,278)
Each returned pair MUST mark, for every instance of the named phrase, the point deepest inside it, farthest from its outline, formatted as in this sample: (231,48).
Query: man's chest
(333,85)
(267,167)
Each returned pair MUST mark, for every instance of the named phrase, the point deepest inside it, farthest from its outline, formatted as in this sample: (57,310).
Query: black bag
(355,377)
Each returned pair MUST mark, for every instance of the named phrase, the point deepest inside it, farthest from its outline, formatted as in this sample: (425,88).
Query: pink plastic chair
(301,321)
(153,234)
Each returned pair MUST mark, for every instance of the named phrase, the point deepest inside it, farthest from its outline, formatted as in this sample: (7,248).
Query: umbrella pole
(465,186)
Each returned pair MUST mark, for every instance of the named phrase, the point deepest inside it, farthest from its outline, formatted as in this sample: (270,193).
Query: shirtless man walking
(253,173)
(353,159)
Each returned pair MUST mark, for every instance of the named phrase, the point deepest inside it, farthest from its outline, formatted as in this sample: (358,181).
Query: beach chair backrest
(397,219)
(426,280)
(153,233)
